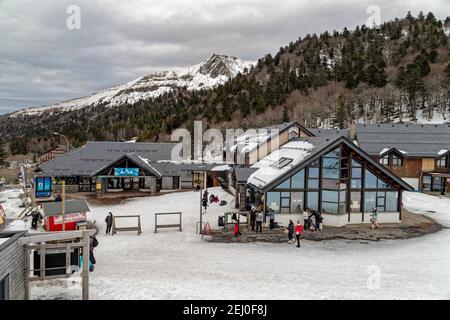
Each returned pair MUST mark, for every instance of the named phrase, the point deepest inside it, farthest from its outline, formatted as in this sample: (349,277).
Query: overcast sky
(42,61)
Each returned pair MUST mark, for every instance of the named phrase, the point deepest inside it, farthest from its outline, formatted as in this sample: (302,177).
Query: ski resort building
(52,153)
(107,167)
(419,153)
(329,174)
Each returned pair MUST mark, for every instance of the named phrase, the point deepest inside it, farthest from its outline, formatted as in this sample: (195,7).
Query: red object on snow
(54,223)
(236,228)
(298,229)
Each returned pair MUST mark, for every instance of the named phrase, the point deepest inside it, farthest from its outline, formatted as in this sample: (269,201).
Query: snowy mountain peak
(214,71)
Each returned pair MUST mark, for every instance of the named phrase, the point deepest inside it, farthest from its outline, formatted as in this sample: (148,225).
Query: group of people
(256,220)
(312,220)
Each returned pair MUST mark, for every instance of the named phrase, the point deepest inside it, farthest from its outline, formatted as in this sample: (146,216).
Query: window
(4,288)
(331,164)
(281,163)
(426,186)
(284,185)
(355,202)
(330,201)
(392,201)
(298,180)
(370,201)
(273,200)
(297,202)
(442,162)
(384,160)
(356,175)
(397,161)
(313,178)
(285,202)
(313,200)
(372,182)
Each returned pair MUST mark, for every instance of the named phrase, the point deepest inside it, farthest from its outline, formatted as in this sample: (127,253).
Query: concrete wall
(12,264)
(186,180)
(167,183)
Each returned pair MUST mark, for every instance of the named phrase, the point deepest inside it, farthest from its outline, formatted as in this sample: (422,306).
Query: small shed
(75,211)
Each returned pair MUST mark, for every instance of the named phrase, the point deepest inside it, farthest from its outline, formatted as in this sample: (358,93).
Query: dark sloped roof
(242,173)
(319,132)
(285,125)
(71,206)
(413,140)
(96,155)
(141,162)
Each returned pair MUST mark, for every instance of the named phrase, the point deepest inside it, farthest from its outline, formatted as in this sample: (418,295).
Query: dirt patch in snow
(412,225)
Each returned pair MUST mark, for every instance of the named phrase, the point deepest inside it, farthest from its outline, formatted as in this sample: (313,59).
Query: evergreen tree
(375,73)
(285,117)
(2,153)
(340,117)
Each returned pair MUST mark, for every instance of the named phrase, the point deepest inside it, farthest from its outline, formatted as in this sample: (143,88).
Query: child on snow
(290,231)
(298,233)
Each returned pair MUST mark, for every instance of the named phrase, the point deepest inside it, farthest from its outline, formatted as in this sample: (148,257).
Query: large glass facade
(336,184)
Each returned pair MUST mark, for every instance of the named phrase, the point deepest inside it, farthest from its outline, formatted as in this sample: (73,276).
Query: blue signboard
(126,172)
(43,187)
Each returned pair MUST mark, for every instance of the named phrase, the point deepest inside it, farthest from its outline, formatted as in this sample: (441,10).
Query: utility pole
(65,138)
(201,192)
(63,205)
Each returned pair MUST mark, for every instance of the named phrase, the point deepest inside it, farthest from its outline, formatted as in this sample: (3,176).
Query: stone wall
(69,189)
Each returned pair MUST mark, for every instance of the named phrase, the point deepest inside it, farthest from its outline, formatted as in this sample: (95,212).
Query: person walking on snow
(312,222)
(374,219)
(319,219)
(271,215)
(253,218)
(236,231)
(298,233)
(290,231)
(109,221)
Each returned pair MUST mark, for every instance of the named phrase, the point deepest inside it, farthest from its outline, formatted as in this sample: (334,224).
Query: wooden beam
(27,273)
(42,261)
(85,271)
(55,236)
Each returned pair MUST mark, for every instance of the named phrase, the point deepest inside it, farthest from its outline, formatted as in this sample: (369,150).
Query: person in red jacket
(298,232)
(237,233)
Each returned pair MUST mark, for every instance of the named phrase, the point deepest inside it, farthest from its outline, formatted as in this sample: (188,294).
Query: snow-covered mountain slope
(214,71)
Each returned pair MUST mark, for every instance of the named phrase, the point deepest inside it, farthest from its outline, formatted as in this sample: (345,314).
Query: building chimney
(353,130)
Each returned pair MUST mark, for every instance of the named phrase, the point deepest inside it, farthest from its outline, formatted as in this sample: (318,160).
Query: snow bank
(434,207)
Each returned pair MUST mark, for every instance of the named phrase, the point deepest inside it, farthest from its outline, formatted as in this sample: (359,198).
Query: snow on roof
(384,150)
(443,151)
(147,161)
(252,138)
(268,171)
(224,167)
(387,149)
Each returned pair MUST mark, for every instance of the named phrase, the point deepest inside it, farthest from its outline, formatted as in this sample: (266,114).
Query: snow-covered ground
(178,265)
